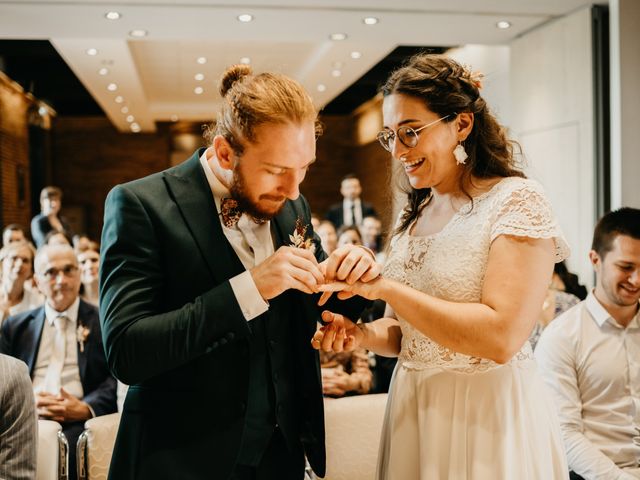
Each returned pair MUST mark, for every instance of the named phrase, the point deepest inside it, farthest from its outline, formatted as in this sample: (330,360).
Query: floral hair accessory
(82,333)
(299,240)
(476,78)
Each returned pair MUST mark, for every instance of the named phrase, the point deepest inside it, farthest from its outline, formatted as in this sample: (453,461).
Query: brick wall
(14,154)
(90,157)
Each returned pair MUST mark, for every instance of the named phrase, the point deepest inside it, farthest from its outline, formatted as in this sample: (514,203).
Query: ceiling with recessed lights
(145,61)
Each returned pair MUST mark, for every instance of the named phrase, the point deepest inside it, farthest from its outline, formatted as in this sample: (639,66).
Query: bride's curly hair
(448,88)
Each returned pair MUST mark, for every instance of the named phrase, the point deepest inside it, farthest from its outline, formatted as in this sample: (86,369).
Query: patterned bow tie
(230,212)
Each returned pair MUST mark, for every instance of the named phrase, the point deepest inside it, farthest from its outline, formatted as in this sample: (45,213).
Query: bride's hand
(369,290)
(338,335)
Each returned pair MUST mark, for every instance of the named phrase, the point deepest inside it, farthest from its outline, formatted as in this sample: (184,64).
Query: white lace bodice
(451,264)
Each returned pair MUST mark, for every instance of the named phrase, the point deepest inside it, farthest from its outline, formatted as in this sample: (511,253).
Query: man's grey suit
(18,422)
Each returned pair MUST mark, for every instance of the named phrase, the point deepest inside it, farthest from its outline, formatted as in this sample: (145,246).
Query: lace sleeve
(524,211)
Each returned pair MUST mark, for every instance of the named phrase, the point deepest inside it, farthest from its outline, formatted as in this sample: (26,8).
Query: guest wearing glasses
(469,263)
(61,343)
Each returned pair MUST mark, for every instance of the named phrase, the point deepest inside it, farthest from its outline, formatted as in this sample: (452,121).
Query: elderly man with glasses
(61,343)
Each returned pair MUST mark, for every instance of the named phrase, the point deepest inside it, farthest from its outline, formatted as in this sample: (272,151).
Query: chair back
(95,447)
(53,452)
(353,426)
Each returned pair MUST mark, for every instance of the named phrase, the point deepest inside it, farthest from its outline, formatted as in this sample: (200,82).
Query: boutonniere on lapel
(299,240)
(82,333)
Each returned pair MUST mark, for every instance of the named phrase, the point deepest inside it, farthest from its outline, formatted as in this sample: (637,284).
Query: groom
(208,311)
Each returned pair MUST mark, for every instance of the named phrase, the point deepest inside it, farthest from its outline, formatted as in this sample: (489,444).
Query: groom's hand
(350,264)
(288,267)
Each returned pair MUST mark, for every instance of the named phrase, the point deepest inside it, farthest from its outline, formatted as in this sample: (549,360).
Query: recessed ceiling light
(112,15)
(103,71)
(356,55)
(245,18)
(503,24)
(135,127)
(201,60)
(174,118)
(119,99)
(112,87)
(124,109)
(138,33)
(370,20)
(130,118)
(336,73)
(338,36)
(198,90)
(321,87)
(92,51)
(199,76)
(245,60)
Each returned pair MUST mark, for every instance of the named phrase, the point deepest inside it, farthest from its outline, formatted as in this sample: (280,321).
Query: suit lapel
(33,337)
(191,192)
(283,225)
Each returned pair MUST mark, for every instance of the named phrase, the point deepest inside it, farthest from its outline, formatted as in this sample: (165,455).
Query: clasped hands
(349,270)
(63,407)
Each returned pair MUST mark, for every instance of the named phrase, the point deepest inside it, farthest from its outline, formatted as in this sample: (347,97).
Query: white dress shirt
(347,213)
(252,243)
(70,379)
(592,364)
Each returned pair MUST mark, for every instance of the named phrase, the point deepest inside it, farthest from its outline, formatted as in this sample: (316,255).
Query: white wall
(493,62)
(552,117)
(624,18)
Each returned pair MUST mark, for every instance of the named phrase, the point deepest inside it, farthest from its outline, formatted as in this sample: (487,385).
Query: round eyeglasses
(408,136)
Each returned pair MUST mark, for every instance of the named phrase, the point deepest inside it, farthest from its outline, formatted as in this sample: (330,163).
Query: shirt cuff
(93,413)
(251,302)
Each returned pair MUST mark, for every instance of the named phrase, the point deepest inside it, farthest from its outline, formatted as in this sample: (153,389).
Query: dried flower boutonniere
(82,333)
(299,240)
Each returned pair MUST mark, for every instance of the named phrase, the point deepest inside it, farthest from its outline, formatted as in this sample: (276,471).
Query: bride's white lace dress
(449,415)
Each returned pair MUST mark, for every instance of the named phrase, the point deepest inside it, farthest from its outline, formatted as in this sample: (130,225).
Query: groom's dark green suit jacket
(206,385)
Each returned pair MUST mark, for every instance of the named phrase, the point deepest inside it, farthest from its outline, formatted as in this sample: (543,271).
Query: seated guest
(16,260)
(371,231)
(57,238)
(315,220)
(61,343)
(89,261)
(13,233)
(555,303)
(328,236)
(18,427)
(48,219)
(589,357)
(566,281)
(345,373)
(349,235)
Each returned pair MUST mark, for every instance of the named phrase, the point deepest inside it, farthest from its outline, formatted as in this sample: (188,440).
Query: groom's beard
(240,194)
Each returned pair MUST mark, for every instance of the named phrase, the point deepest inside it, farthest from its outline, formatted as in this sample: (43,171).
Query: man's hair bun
(232,75)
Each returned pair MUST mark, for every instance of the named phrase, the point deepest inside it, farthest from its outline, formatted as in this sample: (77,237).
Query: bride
(470,260)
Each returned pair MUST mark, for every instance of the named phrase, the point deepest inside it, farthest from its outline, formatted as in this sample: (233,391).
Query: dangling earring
(460,154)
